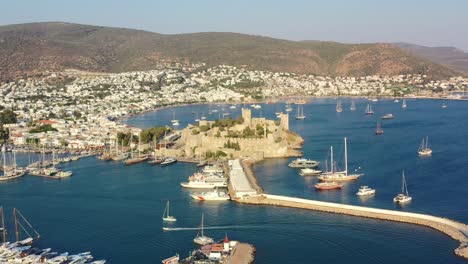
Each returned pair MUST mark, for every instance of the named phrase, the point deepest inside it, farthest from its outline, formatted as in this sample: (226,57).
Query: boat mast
(346,155)
(202,225)
(331,158)
(3,225)
(15,214)
(168,209)
(403,183)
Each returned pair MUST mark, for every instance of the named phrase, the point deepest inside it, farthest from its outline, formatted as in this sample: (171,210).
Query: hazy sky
(426,22)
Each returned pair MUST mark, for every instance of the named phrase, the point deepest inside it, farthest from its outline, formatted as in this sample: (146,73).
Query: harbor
(98,180)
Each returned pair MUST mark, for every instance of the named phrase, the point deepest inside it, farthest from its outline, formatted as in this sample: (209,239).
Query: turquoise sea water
(115,210)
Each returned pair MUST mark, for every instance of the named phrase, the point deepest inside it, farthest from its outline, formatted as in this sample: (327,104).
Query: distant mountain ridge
(449,56)
(28,49)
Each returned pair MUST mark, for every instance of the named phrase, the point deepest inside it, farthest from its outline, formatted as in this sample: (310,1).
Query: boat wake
(212,227)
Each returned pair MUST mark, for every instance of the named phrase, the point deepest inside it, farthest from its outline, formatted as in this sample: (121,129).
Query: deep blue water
(115,210)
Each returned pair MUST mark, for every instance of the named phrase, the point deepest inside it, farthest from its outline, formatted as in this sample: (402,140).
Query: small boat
(379,130)
(309,172)
(424,149)
(388,116)
(63,174)
(166,216)
(288,108)
(136,160)
(303,163)
(353,106)
(339,108)
(403,197)
(365,190)
(396,100)
(328,186)
(232,107)
(300,113)
(156,161)
(403,105)
(214,195)
(300,102)
(201,239)
(168,161)
(444,104)
(369,110)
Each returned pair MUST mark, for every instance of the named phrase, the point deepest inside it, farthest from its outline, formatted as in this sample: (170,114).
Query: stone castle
(256,138)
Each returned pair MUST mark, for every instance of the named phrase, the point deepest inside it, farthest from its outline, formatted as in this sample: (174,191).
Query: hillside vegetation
(29,49)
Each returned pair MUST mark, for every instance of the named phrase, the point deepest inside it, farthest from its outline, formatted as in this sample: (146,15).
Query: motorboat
(388,116)
(303,163)
(365,190)
(310,172)
(214,195)
(168,161)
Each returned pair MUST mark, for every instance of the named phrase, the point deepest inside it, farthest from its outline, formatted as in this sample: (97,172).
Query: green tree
(8,117)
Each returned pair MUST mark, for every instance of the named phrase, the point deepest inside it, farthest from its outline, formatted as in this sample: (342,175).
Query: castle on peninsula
(245,136)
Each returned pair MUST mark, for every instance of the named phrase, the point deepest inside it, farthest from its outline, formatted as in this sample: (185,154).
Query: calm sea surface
(115,210)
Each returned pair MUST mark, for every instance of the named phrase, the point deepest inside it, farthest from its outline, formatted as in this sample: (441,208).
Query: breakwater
(456,230)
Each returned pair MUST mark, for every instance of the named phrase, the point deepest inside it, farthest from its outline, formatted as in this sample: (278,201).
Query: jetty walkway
(455,230)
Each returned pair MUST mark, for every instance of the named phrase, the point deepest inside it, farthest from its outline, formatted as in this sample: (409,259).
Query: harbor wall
(455,230)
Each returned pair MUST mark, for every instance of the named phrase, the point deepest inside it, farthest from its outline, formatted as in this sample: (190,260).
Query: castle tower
(247,116)
(284,121)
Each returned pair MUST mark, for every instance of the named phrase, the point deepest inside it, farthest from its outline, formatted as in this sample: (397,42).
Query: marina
(274,176)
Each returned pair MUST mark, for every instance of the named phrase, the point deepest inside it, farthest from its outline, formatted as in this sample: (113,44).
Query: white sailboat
(10,173)
(174,121)
(403,105)
(300,113)
(166,216)
(424,149)
(403,197)
(201,239)
(444,104)
(339,108)
(337,176)
(353,106)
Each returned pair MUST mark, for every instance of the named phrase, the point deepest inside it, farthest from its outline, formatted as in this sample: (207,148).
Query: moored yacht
(168,161)
(303,163)
(403,197)
(388,116)
(328,185)
(332,175)
(365,190)
(214,195)
(310,172)
(424,149)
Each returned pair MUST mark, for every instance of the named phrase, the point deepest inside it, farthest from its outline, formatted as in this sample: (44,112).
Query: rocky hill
(29,49)
(449,56)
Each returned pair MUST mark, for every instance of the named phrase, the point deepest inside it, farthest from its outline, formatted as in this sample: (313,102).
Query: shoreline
(456,230)
(285,98)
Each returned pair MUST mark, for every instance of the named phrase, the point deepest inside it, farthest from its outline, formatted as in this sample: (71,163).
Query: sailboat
(403,105)
(174,121)
(444,104)
(3,228)
(353,106)
(10,173)
(369,110)
(339,109)
(288,107)
(300,113)
(378,130)
(137,159)
(424,149)
(166,216)
(201,239)
(403,197)
(338,176)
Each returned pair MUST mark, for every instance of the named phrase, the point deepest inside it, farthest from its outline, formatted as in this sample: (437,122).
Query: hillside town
(82,110)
